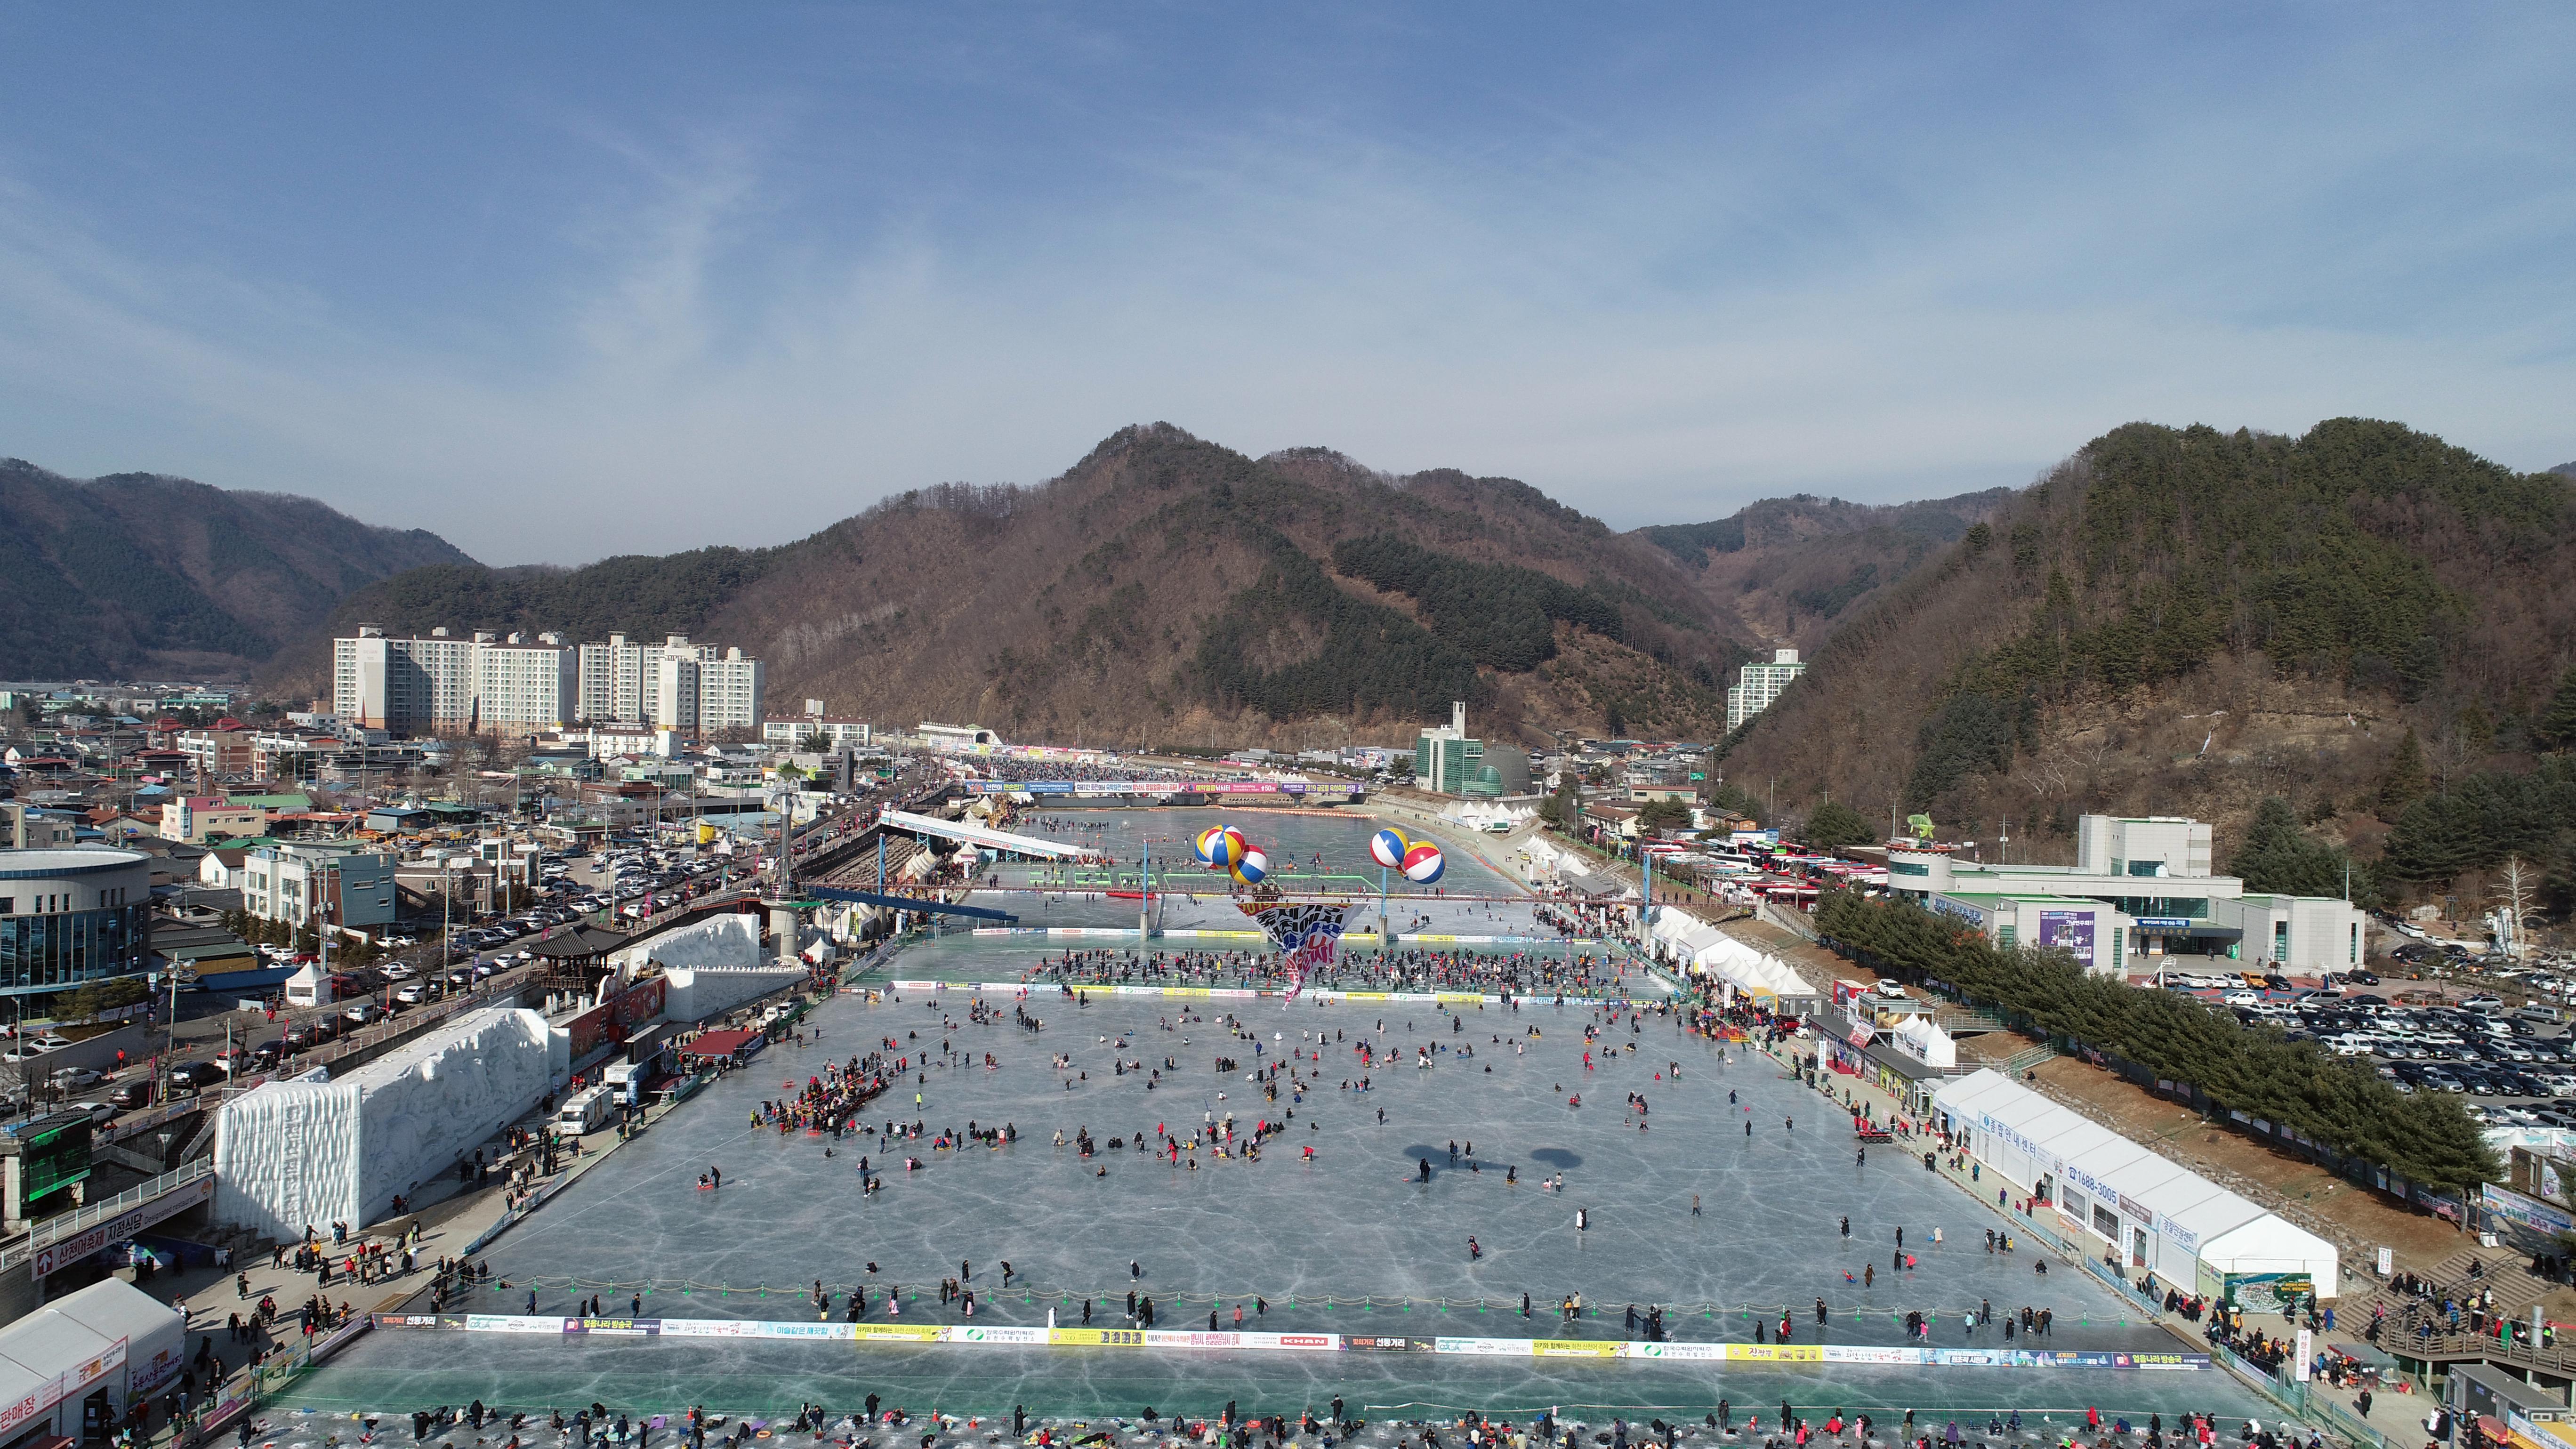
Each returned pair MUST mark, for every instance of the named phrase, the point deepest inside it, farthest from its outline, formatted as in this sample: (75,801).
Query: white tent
(1919,1038)
(2153,1212)
(308,987)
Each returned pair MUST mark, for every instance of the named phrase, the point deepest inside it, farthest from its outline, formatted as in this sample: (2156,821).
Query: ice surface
(292,1154)
(1350,1242)
(1289,839)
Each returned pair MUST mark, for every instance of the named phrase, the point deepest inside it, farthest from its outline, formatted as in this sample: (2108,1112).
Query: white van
(585,1111)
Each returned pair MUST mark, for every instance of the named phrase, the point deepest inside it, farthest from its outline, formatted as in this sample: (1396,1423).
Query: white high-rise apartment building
(673,685)
(619,678)
(1757,685)
(525,687)
(421,683)
(673,703)
(520,685)
(729,692)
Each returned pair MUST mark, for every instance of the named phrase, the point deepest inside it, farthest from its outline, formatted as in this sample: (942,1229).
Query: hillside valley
(1164,588)
(140,574)
(1788,569)
(2364,622)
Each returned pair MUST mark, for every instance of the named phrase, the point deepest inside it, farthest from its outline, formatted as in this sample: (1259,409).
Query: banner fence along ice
(1013,1336)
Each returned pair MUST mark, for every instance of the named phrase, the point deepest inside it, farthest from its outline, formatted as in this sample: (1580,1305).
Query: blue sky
(565,280)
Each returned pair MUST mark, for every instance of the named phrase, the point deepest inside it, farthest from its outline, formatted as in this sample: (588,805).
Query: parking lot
(2491,1031)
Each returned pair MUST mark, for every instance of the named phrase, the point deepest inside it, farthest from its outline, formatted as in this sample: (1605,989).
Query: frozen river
(1718,1225)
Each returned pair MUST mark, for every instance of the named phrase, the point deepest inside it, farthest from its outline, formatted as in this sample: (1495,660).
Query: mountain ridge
(2187,621)
(1164,586)
(137,573)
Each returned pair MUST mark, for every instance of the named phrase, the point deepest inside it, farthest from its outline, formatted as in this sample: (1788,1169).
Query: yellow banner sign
(907,1332)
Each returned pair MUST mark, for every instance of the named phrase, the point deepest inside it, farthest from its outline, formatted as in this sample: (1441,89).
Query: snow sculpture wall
(286,1154)
(292,1154)
(729,940)
(696,995)
(432,1102)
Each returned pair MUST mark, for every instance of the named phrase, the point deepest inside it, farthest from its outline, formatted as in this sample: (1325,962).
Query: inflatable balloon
(1226,847)
(1205,844)
(1252,868)
(1388,846)
(1424,862)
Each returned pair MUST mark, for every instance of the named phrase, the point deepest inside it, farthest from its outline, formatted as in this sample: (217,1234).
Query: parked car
(72,1079)
(268,1054)
(134,1094)
(361,1013)
(410,993)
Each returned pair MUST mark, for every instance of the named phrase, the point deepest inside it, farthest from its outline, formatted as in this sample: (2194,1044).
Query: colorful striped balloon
(1225,847)
(1388,846)
(1424,863)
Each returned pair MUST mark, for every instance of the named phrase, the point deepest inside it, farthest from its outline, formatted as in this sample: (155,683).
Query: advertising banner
(1012,1335)
(897,1332)
(2528,1212)
(589,1031)
(117,1229)
(2070,931)
(707,1328)
(517,1323)
(640,1002)
(1775,1353)
(1191,1338)
(1858,1353)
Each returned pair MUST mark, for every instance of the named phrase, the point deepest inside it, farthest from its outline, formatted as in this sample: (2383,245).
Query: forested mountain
(1791,568)
(140,574)
(1165,589)
(2364,622)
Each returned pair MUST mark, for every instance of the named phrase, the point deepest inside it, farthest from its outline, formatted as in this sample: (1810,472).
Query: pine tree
(2407,781)
(1835,825)
(2556,727)
(2278,857)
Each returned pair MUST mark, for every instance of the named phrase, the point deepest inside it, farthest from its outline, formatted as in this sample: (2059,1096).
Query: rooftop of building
(80,860)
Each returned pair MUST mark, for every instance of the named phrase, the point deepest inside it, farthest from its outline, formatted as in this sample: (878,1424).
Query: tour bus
(585,1111)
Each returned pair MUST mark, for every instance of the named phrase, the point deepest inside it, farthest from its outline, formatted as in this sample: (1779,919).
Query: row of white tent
(2156,1214)
(1546,862)
(1704,950)
(1927,1043)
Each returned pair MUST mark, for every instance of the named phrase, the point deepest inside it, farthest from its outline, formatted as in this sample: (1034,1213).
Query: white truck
(585,1111)
(624,1081)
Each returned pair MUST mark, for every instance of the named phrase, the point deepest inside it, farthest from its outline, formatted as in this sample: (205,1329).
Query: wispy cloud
(1913,263)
